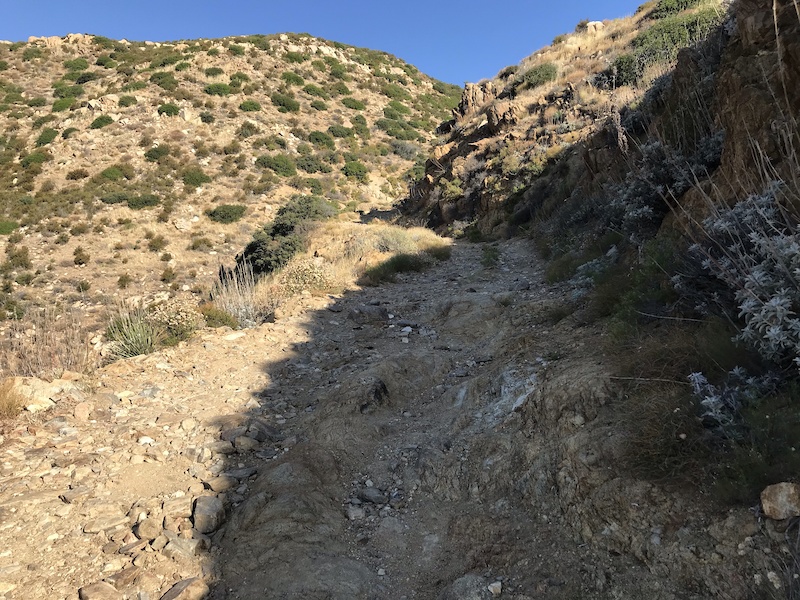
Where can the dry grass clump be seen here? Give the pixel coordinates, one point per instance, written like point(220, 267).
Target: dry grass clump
point(11, 402)
point(237, 293)
point(45, 343)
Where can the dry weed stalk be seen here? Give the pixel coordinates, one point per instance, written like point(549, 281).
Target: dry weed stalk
point(238, 293)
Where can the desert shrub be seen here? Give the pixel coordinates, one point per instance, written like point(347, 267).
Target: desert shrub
point(31, 53)
point(76, 64)
point(165, 60)
point(68, 132)
point(281, 164)
point(80, 256)
point(63, 104)
point(238, 78)
point(540, 74)
point(661, 42)
point(36, 158)
point(101, 122)
point(132, 333)
point(195, 177)
point(247, 129)
point(164, 80)
point(292, 78)
point(351, 102)
point(217, 89)
point(82, 286)
point(11, 401)
point(105, 60)
point(399, 263)
point(667, 8)
point(356, 170)
point(3, 65)
point(124, 281)
point(117, 172)
point(6, 227)
point(626, 69)
point(126, 101)
point(134, 86)
point(319, 105)
point(143, 201)
point(76, 174)
point(214, 71)
point(67, 91)
point(321, 139)
point(169, 110)
point(226, 213)
point(395, 92)
point(157, 243)
point(86, 77)
point(40, 121)
point(216, 317)
point(157, 152)
point(182, 66)
point(312, 164)
point(37, 102)
point(305, 274)
point(47, 136)
point(207, 117)
point(177, 317)
point(295, 57)
point(340, 131)
point(404, 149)
point(236, 50)
point(249, 106)
point(285, 103)
point(115, 198)
point(340, 89)
point(315, 90)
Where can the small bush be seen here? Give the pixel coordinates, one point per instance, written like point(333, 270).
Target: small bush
point(295, 57)
point(169, 110)
point(11, 402)
point(281, 164)
point(340, 131)
point(157, 152)
point(216, 317)
point(124, 281)
point(37, 102)
point(206, 117)
point(351, 102)
point(157, 243)
point(236, 50)
point(319, 105)
point(195, 177)
point(76, 174)
point(667, 8)
point(168, 275)
point(312, 164)
point(214, 72)
point(143, 201)
point(388, 270)
point(76, 64)
point(101, 122)
point(250, 106)
point(7, 227)
point(356, 170)
point(80, 256)
point(315, 90)
point(132, 333)
point(182, 66)
point(126, 101)
point(63, 104)
point(68, 132)
point(165, 81)
point(217, 89)
point(37, 158)
point(115, 198)
point(292, 78)
point(540, 74)
point(226, 213)
point(321, 140)
point(47, 136)
point(285, 103)
point(68, 91)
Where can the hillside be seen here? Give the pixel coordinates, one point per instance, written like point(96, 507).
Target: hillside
point(587, 388)
point(114, 154)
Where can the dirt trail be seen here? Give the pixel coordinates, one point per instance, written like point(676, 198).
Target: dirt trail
point(439, 437)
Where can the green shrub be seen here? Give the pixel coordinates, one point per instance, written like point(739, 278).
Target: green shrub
point(281, 164)
point(292, 78)
point(195, 177)
point(351, 102)
point(87, 77)
point(340, 131)
point(157, 152)
point(295, 57)
point(31, 53)
point(217, 89)
point(182, 66)
point(206, 117)
point(315, 90)
point(250, 106)
point(354, 169)
point(157, 243)
point(238, 78)
point(340, 89)
point(37, 102)
point(77, 174)
point(68, 132)
point(143, 201)
point(285, 103)
point(37, 123)
point(388, 270)
point(395, 92)
point(165, 61)
point(312, 164)
point(319, 105)
point(661, 42)
point(47, 136)
point(76, 64)
point(68, 91)
point(216, 317)
point(666, 8)
point(214, 71)
point(101, 122)
point(540, 74)
point(169, 110)
point(626, 70)
point(126, 101)
point(7, 227)
point(247, 129)
point(118, 171)
point(124, 281)
point(321, 140)
point(236, 50)
point(213, 52)
point(226, 213)
point(107, 62)
point(115, 198)
point(134, 86)
point(3, 65)
point(164, 80)
point(35, 158)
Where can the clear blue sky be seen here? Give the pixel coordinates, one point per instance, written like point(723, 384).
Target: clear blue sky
point(455, 41)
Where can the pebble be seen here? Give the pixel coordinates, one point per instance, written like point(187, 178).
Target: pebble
point(496, 588)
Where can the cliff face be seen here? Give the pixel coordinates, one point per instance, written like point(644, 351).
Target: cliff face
point(512, 157)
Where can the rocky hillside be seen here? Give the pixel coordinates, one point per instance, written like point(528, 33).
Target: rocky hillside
point(147, 164)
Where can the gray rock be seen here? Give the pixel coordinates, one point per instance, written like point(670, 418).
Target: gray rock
point(242, 473)
point(148, 529)
point(244, 443)
point(209, 514)
point(781, 501)
point(104, 522)
point(178, 547)
point(99, 591)
point(355, 513)
point(221, 447)
point(188, 589)
point(222, 483)
point(365, 315)
point(178, 507)
point(373, 495)
point(468, 587)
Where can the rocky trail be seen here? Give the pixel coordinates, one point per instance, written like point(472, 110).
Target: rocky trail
point(442, 437)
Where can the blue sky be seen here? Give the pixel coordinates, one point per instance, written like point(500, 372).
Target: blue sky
point(453, 41)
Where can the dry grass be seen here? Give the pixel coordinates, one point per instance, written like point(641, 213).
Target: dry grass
point(46, 343)
point(239, 294)
point(11, 402)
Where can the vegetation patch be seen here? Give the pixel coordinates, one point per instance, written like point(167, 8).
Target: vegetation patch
point(226, 213)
